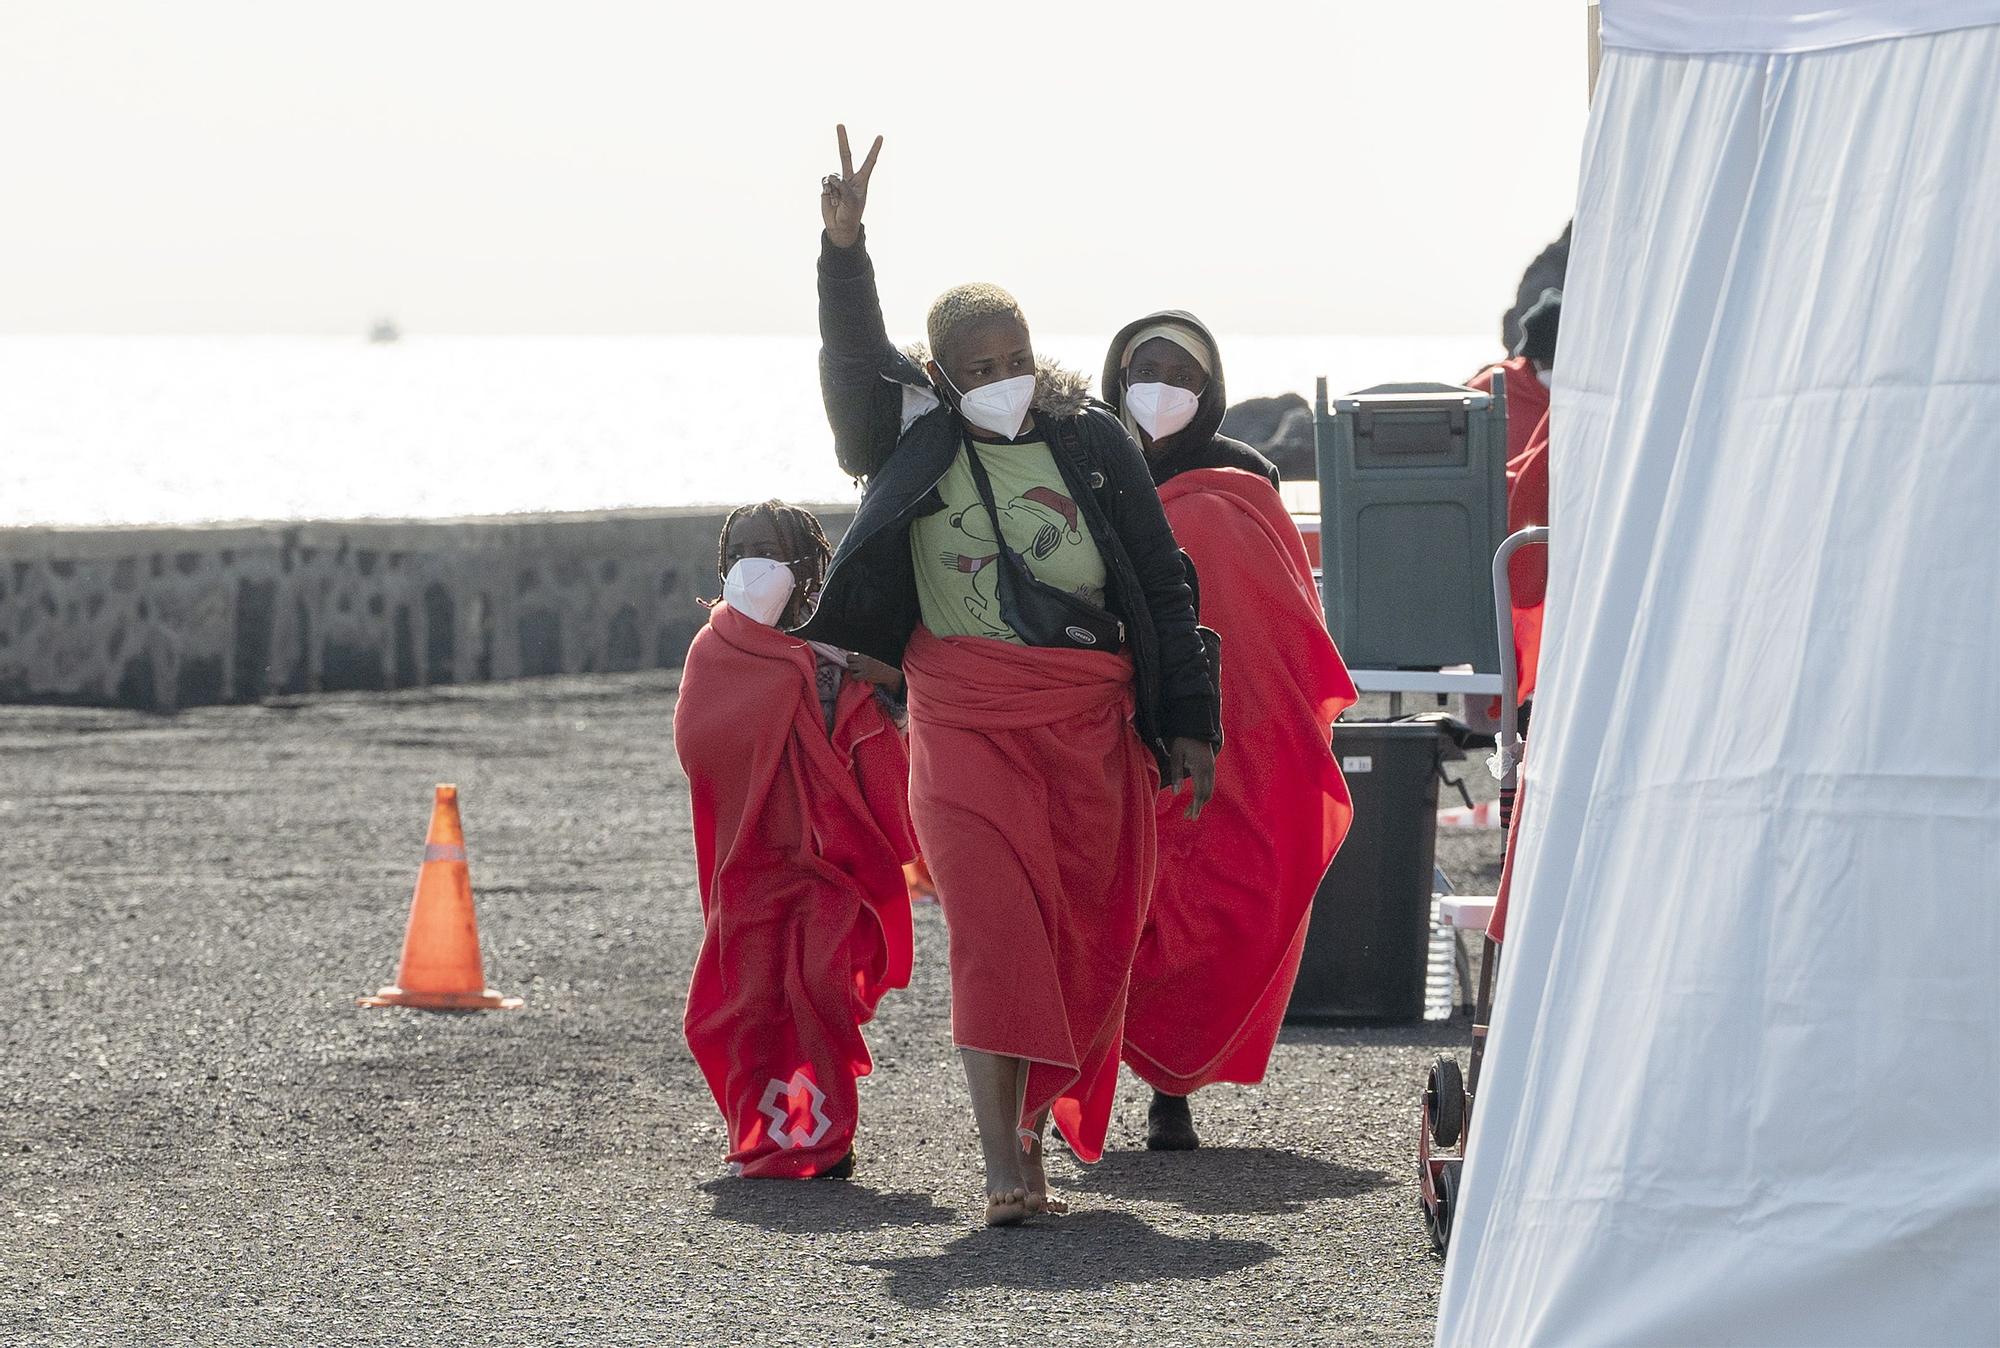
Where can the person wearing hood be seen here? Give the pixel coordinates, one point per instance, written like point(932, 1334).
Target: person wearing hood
point(1011, 556)
point(1221, 946)
point(798, 785)
point(1526, 373)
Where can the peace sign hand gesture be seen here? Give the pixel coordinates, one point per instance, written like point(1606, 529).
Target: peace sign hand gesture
point(842, 195)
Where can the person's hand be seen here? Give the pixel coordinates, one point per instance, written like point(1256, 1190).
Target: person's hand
point(870, 670)
point(842, 195)
point(1193, 761)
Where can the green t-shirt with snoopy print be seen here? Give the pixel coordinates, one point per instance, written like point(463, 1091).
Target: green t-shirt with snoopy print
point(954, 552)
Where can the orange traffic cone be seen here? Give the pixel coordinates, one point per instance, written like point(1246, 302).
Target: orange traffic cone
point(441, 969)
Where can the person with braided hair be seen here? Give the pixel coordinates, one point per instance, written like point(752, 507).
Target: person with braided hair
point(791, 535)
point(775, 530)
point(798, 783)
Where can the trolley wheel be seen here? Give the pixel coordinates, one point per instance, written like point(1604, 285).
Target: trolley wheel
point(1444, 1102)
point(1439, 1211)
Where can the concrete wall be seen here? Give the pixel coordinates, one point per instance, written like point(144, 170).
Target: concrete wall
point(159, 618)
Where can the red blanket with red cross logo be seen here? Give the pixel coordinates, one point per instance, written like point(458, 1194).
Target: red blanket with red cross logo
point(800, 838)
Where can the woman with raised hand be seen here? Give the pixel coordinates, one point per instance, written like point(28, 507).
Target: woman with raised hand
point(1011, 556)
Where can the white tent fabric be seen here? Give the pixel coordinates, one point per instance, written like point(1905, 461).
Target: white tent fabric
point(1779, 25)
point(1743, 1079)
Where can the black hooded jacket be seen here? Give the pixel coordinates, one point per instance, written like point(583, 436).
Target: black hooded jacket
point(1195, 445)
point(893, 430)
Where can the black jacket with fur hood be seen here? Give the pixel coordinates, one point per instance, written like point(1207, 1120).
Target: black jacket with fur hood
point(1195, 445)
point(891, 429)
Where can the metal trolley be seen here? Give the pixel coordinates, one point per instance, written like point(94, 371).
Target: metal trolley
point(1449, 1093)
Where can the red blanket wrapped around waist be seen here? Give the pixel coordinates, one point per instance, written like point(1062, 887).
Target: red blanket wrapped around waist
point(1033, 800)
point(1235, 889)
point(800, 838)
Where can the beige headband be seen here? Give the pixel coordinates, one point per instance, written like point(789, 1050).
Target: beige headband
point(1176, 334)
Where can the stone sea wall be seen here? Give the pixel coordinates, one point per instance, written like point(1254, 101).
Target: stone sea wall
point(161, 618)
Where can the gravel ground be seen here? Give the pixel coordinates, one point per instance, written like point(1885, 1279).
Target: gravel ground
point(203, 1140)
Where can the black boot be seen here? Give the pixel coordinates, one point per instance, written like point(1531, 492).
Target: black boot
point(841, 1169)
point(1170, 1124)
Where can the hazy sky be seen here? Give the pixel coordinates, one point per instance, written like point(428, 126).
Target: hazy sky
point(618, 166)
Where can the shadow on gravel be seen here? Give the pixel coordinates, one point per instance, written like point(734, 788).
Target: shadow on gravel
point(1224, 1181)
point(1081, 1253)
point(819, 1208)
point(1454, 1033)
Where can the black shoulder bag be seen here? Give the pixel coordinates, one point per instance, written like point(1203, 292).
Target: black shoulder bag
point(1066, 440)
point(1040, 613)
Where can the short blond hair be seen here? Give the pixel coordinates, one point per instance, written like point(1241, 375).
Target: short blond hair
point(970, 303)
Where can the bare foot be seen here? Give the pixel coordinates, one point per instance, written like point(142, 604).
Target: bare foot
point(995, 1083)
point(1039, 1198)
point(1008, 1208)
point(1006, 1191)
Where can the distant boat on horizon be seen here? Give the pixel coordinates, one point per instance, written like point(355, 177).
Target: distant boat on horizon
point(385, 330)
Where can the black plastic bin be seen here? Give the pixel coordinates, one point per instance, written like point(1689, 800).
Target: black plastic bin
point(1369, 939)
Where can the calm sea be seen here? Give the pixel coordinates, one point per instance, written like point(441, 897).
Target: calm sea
point(100, 430)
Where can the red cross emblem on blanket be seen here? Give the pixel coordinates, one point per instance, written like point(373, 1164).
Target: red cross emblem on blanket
point(796, 1111)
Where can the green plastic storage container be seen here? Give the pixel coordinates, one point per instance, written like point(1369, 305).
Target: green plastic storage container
point(1413, 504)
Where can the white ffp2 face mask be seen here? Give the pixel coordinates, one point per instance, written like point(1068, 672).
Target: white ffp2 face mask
point(759, 589)
point(999, 407)
point(1161, 409)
